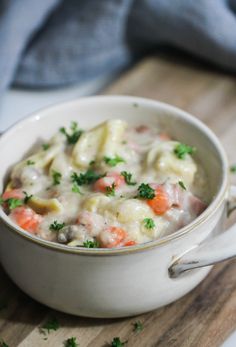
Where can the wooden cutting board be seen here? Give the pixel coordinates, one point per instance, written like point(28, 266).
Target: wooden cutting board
point(204, 317)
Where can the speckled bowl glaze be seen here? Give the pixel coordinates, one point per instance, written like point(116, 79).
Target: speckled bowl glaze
point(131, 280)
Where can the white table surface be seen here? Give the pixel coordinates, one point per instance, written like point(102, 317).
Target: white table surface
point(16, 104)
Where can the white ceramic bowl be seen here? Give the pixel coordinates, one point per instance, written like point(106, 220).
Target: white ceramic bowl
point(126, 281)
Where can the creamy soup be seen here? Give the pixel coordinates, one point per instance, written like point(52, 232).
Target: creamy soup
point(110, 186)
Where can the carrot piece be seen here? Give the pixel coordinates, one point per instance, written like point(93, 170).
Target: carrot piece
point(113, 177)
point(130, 243)
point(118, 236)
point(26, 218)
point(14, 193)
point(160, 203)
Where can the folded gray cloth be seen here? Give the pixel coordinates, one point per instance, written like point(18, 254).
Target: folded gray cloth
point(50, 43)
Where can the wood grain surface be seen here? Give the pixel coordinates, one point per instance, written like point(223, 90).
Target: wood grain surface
point(204, 317)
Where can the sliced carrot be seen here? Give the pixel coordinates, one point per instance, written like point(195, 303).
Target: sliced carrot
point(130, 243)
point(113, 177)
point(14, 193)
point(26, 218)
point(116, 238)
point(160, 203)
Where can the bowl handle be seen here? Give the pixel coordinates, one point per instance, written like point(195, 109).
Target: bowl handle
point(220, 248)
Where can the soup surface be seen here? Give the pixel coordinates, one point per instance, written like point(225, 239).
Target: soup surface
point(110, 186)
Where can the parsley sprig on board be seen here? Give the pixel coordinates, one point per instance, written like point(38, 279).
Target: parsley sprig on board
point(71, 342)
point(138, 327)
point(3, 343)
point(116, 342)
point(52, 324)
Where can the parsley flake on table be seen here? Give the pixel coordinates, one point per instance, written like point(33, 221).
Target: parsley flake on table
point(182, 185)
point(88, 177)
point(55, 226)
point(110, 190)
point(138, 327)
point(149, 223)
point(145, 191)
point(74, 134)
point(13, 203)
point(181, 150)
point(51, 324)
point(71, 342)
point(116, 342)
point(3, 343)
point(27, 197)
point(128, 178)
point(30, 162)
point(91, 244)
point(233, 169)
point(56, 177)
point(45, 146)
point(113, 161)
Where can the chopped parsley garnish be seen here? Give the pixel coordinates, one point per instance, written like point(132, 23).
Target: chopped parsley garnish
point(76, 189)
point(181, 150)
point(110, 190)
point(145, 191)
point(116, 342)
point(27, 197)
point(74, 134)
point(233, 169)
point(91, 244)
point(182, 185)
point(51, 324)
point(128, 178)
point(113, 161)
point(45, 146)
point(56, 177)
point(55, 226)
point(138, 327)
point(3, 344)
point(88, 177)
point(71, 342)
point(13, 203)
point(30, 162)
point(149, 223)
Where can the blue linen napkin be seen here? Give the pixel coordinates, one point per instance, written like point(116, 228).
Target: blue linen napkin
point(50, 43)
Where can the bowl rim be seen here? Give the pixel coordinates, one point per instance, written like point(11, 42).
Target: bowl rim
point(217, 201)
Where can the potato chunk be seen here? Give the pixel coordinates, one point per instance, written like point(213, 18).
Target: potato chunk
point(103, 140)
